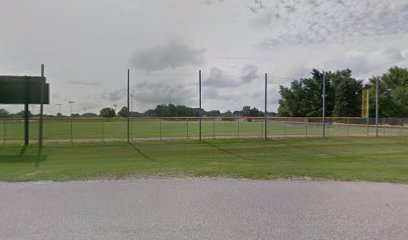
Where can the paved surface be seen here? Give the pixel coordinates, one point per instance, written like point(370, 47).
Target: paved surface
point(203, 209)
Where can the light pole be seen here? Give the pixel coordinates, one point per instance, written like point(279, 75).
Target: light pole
point(70, 116)
point(324, 105)
point(114, 105)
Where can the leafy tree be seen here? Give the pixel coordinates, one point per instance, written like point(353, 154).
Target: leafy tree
point(107, 112)
point(124, 112)
point(393, 93)
point(247, 111)
point(304, 97)
point(172, 110)
point(347, 94)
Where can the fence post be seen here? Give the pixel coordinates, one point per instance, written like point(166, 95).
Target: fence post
point(306, 121)
point(160, 129)
point(284, 127)
point(401, 123)
point(71, 130)
point(266, 106)
point(324, 105)
point(213, 128)
point(199, 110)
point(368, 127)
point(103, 131)
point(187, 127)
point(348, 127)
point(238, 126)
point(4, 131)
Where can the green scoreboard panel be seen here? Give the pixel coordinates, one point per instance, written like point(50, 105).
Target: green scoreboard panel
point(23, 90)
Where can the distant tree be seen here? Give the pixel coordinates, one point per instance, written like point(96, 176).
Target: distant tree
point(75, 115)
point(123, 112)
point(21, 114)
point(247, 111)
point(89, 115)
point(213, 113)
point(172, 110)
point(107, 112)
point(228, 113)
point(393, 93)
point(4, 113)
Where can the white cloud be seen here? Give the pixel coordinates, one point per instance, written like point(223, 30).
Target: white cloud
point(171, 55)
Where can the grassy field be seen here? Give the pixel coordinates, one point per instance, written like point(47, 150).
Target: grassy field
point(155, 128)
point(371, 159)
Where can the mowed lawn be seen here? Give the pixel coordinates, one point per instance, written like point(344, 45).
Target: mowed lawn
point(382, 159)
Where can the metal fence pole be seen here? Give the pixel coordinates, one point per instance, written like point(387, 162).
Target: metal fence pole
point(160, 129)
point(128, 105)
point(4, 131)
point(71, 130)
point(103, 131)
point(238, 127)
point(199, 110)
point(376, 105)
point(266, 106)
point(348, 127)
point(324, 105)
point(368, 127)
point(132, 121)
point(401, 124)
point(284, 127)
point(213, 128)
point(40, 127)
point(306, 121)
point(187, 127)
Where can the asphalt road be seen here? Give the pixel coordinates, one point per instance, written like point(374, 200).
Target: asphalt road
point(203, 209)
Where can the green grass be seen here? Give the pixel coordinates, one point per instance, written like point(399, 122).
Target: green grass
point(371, 159)
point(154, 128)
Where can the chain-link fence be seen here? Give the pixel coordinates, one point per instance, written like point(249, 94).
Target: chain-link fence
point(116, 129)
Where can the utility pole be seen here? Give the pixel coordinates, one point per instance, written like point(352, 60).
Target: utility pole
point(70, 116)
point(199, 97)
point(324, 105)
point(128, 106)
point(40, 134)
point(266, 108)
point(376, 105)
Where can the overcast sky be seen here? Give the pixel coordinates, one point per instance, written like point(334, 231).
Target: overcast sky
point(88, 45)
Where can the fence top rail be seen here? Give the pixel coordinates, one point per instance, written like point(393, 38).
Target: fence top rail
point(185, 118)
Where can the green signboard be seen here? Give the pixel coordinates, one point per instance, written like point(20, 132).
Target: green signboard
point(23, 90)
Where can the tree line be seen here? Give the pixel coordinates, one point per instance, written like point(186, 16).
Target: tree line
point(303, 98)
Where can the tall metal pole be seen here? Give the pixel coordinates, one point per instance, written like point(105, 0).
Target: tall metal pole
point(199, 110)
point(26, 114)
point(376, 105)
point(128, 106)
point(266, 108)
point(40, 134)
point(70, 117)
point(324, 105)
